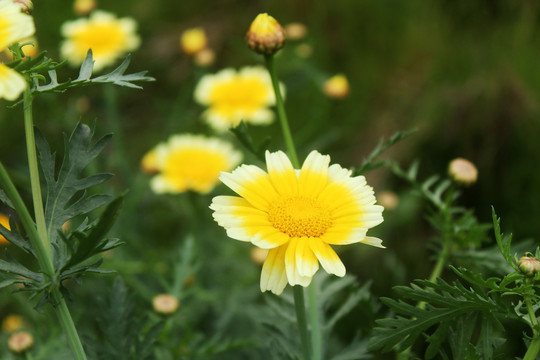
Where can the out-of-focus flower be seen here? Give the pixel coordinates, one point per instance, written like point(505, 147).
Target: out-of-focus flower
point(304, 50)
point(297, 215)
point(388, 199)
point(165, 304)
point(205, 57)
point(4, 221)
point(149, 162)
point(529, 265)
point(84, 7)
point(12, 323)
point(193, 40)
point(14, 26)
point(233, 96)
point(192, 162)
point(265, 35)
point(295, 31)
point(463, 171)
point(20, 341)
point(259, 255)
point(336, 87)
point(107, 36)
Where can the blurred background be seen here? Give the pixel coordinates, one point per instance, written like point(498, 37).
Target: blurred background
point(465, 74)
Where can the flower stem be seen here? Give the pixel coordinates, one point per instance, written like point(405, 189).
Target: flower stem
point(534, 346)
point(533, 350)
point(41, 242)
point(281, 111)
point(314, 312)
point(299, 306)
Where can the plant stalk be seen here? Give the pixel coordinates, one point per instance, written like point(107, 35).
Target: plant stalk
point(533, 350)
point(314, 321)
point(299, 306)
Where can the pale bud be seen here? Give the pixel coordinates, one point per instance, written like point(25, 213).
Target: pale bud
point(165, 304)
point(463, 171)
point(388, 200)
point(258, 255)
point(205, 57)
point(304, 50)
point(193, 40)
point(20, 342)
point(295, 31)
point(84, 7)
point(336, 87)
point(529, 265)
point(265, 35)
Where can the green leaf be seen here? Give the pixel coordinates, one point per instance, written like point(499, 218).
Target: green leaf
point(242, 134)
point(503, 243)
point(460, 335)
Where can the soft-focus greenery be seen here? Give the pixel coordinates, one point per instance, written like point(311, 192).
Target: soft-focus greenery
point(464, 74)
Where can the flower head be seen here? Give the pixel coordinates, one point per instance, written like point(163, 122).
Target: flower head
point(297, 215)
point(463, 171)
point(233, 96)
point(529, 265)
point(205, 57)
point(296, 31)
point(265, 35)
point(12, 323)
point(20, 341)
point(84, 7)
point(165, 304)
point(191, 162)
point(336, 87)
point(14, 26)
point(193, 40)
point(4, 221)
point(108, 37)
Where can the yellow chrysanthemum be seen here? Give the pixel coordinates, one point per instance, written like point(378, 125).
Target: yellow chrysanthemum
point(14, 26)
point(191, 162)
point(336, 87)
point(107, 36)
point(232, 96)
point(193, 40)
point(4, 221)
point(297, 215)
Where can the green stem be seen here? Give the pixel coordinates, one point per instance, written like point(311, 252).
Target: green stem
point(68, 325)
point(314, 312)
point(281, 111)
point(533, 350)
point(299, 306)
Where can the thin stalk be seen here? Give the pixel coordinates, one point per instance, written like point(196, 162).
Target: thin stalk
point(282, 115)
point(314, 321)
point(533, 350)
point(534, 346)
point(68, 325)
point(299, 306)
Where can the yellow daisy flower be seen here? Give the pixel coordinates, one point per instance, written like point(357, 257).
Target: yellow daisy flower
point(191, 162)
point(297, 215)
point(14, 26)
point(107, 36)
point(232, 96)
point(4, 221)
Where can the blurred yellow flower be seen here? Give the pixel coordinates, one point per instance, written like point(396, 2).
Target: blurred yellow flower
point(192, 162)
point(107, 36)
point(20, 342)
point(336, 87)
point(149, 162)
point(205, 57)
point(193, 40)
point(296, 31)
point(4, 221)
point(12, 323)
point(165, 304)
point(14, 26)
point(84, 7)
point(297, 215)
point(232, 96)
point(463, 171)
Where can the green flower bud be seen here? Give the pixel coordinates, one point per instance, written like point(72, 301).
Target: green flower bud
point(529, 265)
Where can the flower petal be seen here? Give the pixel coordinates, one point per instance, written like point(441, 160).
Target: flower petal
point(268, 237)
point(12, 84)
point(314, 174)
point(306, 262)
point(291, 266)
point(328, 258)
point(273, 274)
point(281, 173)
point(373, 241)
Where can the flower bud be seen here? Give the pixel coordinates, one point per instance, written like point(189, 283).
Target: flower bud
point(336, 87)
point(205, 57)
point(165, 304)
point(193, 41)
point(388, 199)
point(26, 5)
point(265, 35)
point(12, 323)
point(295, 31)
point(84, 7)
point(463, 171)
point(529, 265)
point(20, 342)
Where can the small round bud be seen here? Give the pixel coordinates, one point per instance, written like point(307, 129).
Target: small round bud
point(26, 5)
point(463, 171)
point(388, 199)
point(336, 87)
point(258, 255)
point(12, 323)
point(165, 304)
point(193, 41)
point(20, 342)
point(84, 7)
point(529, 265)
point(265, 35)
point(295, 31)
point(205, 57)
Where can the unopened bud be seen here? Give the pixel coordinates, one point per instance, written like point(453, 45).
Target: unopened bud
point(193, 41)
point(12, 323)
point(84, 7)
point(205, 57)
point(295, 31)
point(20, 342)
point(165, 304)
point(529, 265)
point(258, 255)
point(336, 87)
point(265, 35)
point(388, 199)
point(26, 5)
point(463, 171)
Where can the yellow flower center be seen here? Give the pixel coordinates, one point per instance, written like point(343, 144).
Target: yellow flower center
point(247, 94)
point(300, 216)
point(194, 167)
point(102, 38)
